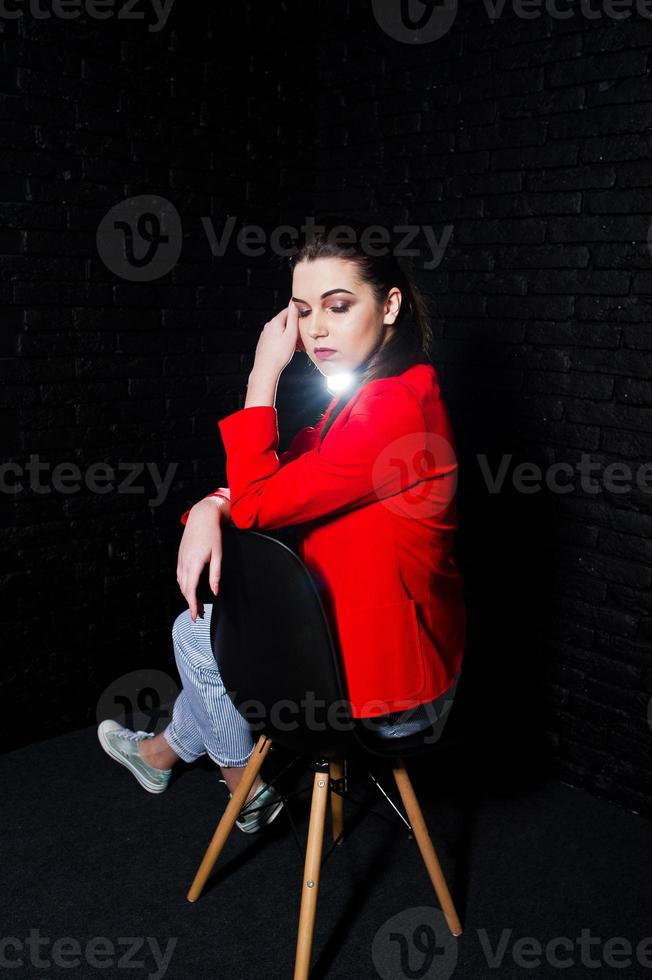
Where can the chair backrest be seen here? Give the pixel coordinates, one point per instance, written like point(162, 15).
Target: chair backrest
point(273, 644)
point(279, 660)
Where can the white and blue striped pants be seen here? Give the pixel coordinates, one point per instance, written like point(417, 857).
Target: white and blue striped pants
point(205, 720)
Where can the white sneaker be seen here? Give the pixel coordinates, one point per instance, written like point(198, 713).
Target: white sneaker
point(122, 745)
point(261, 809)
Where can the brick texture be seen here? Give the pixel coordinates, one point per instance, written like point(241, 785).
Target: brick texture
point(531, 138)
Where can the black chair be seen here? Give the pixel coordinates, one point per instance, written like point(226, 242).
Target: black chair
point(275, 651)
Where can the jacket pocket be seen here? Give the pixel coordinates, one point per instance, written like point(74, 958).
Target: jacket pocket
point(381, 650)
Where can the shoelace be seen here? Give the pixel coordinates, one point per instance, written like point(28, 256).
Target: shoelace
point(125, 733)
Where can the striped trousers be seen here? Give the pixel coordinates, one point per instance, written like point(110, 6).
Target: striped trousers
point(204, 719)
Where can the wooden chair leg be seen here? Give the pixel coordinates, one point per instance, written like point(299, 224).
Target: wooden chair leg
point(336, 771)
point(310, 884)
point(428, 853)
point(225, 826)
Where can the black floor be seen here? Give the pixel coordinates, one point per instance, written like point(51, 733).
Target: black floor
point(89, 854)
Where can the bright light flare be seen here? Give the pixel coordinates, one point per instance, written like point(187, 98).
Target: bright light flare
point(339, 382)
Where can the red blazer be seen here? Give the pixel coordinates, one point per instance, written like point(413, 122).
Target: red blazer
point(376, 509)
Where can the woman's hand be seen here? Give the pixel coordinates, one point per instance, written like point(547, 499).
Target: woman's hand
point(278, 342)
point(201, 544)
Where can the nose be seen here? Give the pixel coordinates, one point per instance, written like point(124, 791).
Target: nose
point(319, 338)
point(317, 333)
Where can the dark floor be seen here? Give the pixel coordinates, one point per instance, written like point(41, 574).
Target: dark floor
point(88, 854)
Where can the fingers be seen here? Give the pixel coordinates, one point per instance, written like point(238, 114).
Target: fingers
point(188, 580)
point(191, 599)
point(214, 570)
point(299, 345)
point(293, 312)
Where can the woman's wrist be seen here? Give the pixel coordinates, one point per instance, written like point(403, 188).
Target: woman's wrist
point(219, 505)
point(261, 388)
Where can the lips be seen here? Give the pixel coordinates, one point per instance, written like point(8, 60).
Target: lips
point(322, 352)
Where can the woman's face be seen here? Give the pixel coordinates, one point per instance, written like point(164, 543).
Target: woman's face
point(339, 312)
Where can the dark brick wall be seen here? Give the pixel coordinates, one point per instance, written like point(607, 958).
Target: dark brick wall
point(530, 138)
point(97, 368)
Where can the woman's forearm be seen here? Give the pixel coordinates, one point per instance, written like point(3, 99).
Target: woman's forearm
point(261, 389)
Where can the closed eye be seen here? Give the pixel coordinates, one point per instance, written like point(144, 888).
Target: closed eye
point(333, 309)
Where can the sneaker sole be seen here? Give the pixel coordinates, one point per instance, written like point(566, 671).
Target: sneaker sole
point(108, 748)
point(272, 816)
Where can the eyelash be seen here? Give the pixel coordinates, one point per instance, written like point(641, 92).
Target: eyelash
point(334, 309)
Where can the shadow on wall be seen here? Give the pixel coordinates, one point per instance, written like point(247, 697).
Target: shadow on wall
point(502, 553)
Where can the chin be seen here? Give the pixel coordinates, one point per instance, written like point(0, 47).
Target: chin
point(326, 368)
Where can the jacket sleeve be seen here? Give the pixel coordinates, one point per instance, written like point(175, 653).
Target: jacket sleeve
point(299, 444)
point(358, 462)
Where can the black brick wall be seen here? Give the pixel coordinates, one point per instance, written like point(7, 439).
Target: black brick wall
point(96, 368)
point(531, 138)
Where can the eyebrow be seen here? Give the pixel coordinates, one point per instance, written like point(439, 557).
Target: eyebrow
point(324, 295)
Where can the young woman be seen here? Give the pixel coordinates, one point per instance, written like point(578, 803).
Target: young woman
point(372, 488)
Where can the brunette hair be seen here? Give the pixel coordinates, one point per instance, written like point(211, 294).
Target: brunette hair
point(411, 340)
